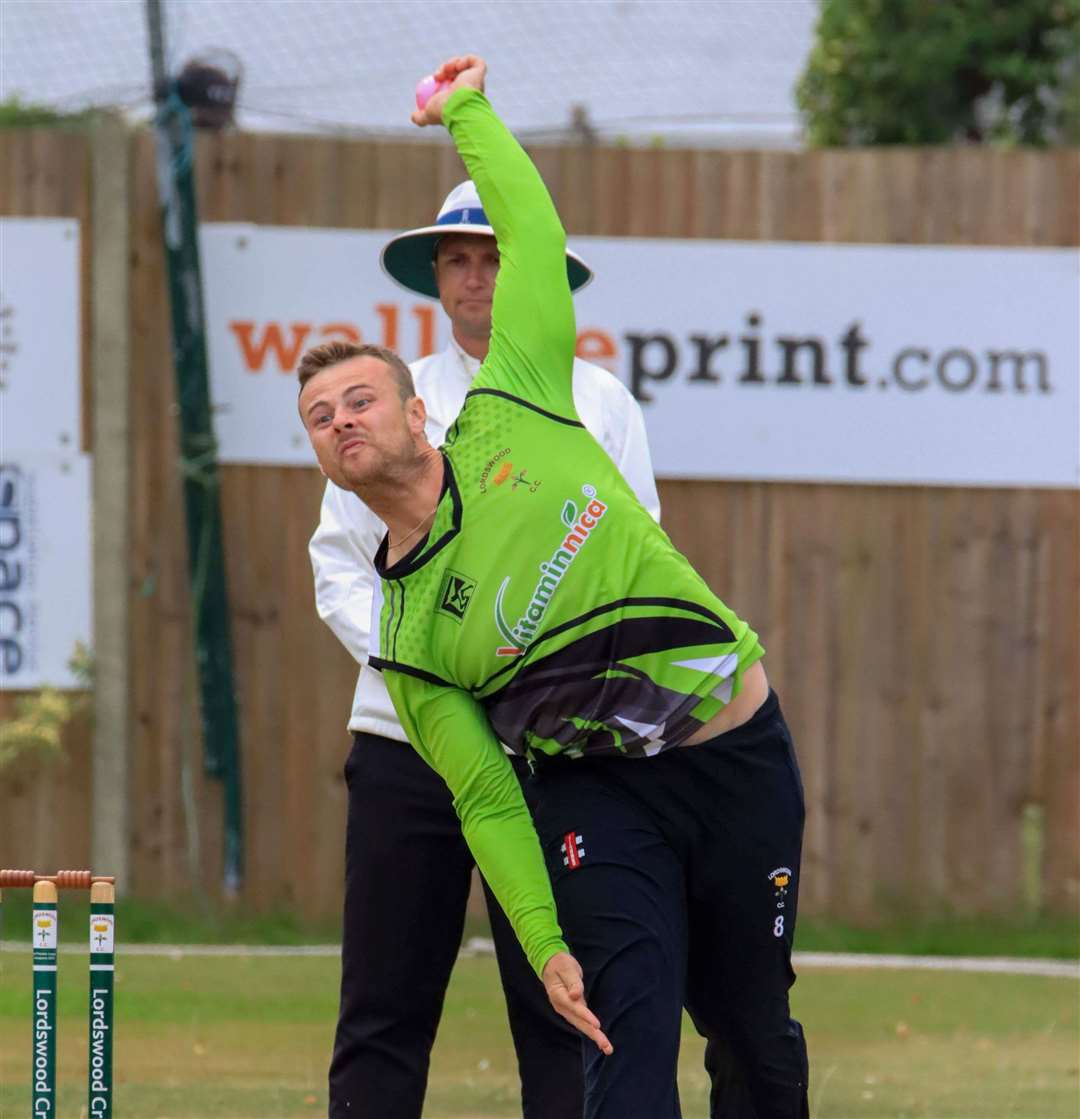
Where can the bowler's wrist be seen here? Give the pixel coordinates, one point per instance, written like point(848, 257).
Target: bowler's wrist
point(542, 958)
point(459, 97)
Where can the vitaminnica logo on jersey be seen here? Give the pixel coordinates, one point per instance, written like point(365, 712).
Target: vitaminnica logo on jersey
point(581, 525)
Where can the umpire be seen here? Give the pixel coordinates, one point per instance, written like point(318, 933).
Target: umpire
point(407, 867)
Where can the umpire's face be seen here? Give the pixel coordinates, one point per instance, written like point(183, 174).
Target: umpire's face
point(361, 429)
point(466, 265)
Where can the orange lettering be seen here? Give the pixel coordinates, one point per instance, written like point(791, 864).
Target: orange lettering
point(425, 316)
point(255, 350)
point(598, 347)
point(388, 312)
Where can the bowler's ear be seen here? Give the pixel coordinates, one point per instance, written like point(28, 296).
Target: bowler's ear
point(416, 414)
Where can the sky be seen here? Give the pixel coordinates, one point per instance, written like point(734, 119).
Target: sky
point(695, 71)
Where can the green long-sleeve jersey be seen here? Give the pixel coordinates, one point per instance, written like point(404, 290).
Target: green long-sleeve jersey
point(545, 608)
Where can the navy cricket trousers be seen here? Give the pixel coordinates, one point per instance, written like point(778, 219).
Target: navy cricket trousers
point(676, 879)
point(407, 877)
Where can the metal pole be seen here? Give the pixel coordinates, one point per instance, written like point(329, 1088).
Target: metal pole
point(198, 449)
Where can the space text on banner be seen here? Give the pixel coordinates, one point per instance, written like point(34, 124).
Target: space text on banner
point(45, 572)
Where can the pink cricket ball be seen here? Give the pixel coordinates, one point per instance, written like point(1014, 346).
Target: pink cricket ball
point(426, 88)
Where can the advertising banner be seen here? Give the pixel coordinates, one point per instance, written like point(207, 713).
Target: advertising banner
point(864, 364)
point(39, 335)
point(270, 294)
point(45, 584)
point(45, 574)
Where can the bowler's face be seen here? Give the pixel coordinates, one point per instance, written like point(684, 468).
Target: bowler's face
point(359, 427)
point(465, 270)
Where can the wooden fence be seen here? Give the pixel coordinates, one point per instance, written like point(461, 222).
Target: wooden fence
point(925, 641)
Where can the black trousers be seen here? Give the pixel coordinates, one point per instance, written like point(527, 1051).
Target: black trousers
point(407, 876)
point(676, 879)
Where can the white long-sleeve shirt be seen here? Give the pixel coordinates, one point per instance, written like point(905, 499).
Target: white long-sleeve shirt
point(349, 533)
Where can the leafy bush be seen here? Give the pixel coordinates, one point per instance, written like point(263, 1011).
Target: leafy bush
point(41, 716)
point(15, 113)
point(934, 72)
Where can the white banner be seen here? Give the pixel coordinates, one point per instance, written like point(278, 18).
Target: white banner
point(44, 569)
point(271, 293)
point(846, 363)
point(45, 580)
point(839, 363)
point(39, 335)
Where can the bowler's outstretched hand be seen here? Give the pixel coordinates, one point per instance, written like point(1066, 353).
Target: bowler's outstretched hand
point(467, 71)
point(566, 992)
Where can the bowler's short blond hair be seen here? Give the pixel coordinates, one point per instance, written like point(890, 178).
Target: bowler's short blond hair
point(328, 354)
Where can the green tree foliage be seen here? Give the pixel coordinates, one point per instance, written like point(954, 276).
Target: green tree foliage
point(939, 71)
point(15, 113)
point(41, 716)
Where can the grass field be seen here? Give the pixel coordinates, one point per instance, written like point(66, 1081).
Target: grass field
point(193, 921)
point(198, 1038)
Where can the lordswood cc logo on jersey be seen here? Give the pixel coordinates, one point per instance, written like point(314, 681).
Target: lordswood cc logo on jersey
point(499, 469)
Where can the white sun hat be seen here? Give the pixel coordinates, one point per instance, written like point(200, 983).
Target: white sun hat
point(407, 258)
